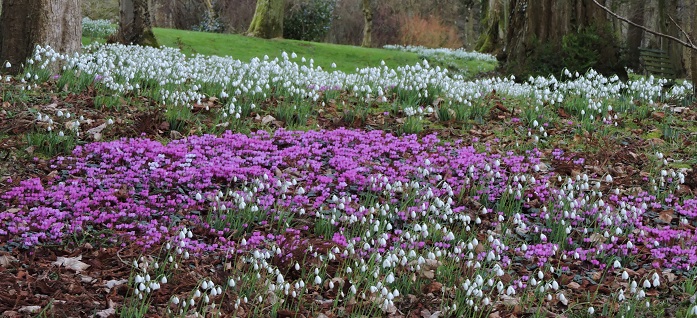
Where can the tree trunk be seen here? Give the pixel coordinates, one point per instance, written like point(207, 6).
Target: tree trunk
point(267, 22)
point(27, 23)
point(693, 56)
point(135, 26)
point(495, 15)
point(635, 35)
point(368, 26)
point(545, 36)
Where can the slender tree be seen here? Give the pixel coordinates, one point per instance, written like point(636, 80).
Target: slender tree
point(135, 25)
point(27, 23)
point(268, 19)
point(368, 25)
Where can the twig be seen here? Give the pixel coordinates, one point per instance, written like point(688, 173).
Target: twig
point(687, 36)
point(687, 44)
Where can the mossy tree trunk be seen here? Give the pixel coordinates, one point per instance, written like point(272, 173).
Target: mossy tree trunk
point(539, 31)
point(135, 25)
point(495, 14)
point(27, 23)
point(368, 26)
point(267, 22)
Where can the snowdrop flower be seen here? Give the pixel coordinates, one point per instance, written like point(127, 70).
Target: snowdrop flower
point(591, 310)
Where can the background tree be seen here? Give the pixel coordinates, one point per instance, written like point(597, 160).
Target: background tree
point(268, 19)
point(545, 36)
point(27, 23)
point(135, 26)
point(368, 26)
point(689, 41)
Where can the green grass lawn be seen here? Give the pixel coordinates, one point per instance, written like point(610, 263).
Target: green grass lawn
point(346, 57)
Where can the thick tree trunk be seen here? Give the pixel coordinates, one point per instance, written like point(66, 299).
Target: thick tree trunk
point(135, 26)
point(693, 57)
point(537, 31)
point(27, 23)
point(368, 25)
point(635, 35)
point(268, 19)
point(494, 24)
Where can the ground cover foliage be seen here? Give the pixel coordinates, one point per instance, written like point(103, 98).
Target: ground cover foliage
point(142, 182)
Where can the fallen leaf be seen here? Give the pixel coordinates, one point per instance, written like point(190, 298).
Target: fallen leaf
point(425, 313)
point(267, 119)
point(432, 287)
point(665, 216)
point(573, 285)
point(30, 309)
point(106, 312)
point(6, 260)
point(73, 263)
point(509, 300)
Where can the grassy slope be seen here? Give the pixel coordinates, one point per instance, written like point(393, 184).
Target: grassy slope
point(346, 57)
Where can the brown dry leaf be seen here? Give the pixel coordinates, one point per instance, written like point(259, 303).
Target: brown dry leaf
point(495, 314)
point(427, 314)
point(669, 275)
point(509, 300)
point(6, 260)
point(597, 238)
point(267, 119)
point(665, 216)
point(73, 263)
point(573, 285)
point(596, 276)
point(658, 115)
point(432, 287)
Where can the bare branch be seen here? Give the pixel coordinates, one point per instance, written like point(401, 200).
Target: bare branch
point(687, 36)
point(689, 44)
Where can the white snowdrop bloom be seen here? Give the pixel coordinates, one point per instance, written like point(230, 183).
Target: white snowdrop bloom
point(318, 280)
point(231, 282)
point(563, 299)
point(630, 245)
point(390, 278)
point(175, 300)
point(625, 275)
point(646, 284)
point(616, 264)
point(591, 310)
point(163, 280)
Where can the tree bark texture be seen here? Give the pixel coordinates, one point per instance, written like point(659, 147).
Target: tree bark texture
point(135, 25)
point(27, 23)
point(267, 22)
point(635, 35)
point(693, 57)
point(368, 23)
point(538, 31)
point(495, 16)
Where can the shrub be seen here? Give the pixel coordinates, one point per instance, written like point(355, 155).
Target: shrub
point(210, 24)
point(308, 20)
point(428, 32)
